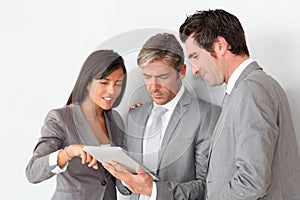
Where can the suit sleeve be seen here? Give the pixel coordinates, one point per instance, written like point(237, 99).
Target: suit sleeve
point(256, 136)
point(51, 140)
point(194, 189)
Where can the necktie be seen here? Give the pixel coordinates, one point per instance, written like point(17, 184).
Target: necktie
point(152, 143)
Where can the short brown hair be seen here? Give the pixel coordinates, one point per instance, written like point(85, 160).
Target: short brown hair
point(208, 25)
point(164, 47)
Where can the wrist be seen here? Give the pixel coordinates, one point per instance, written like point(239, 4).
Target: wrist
point(67, 154)
point(154, 192)
point(149, 190)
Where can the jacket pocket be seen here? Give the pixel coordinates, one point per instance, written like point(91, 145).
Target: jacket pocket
point(67, 194)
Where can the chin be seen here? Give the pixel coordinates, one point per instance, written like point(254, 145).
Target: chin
point(160, 102)
point(106, 107)
point(211, 84)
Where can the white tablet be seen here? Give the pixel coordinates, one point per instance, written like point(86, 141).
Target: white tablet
point(106, 153)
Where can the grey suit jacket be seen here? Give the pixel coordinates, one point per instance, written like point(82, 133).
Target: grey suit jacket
point(63, 127)
point(182, 163)
point(254, 153)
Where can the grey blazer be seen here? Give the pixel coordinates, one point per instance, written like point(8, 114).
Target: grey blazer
point(61, 128)
point(254, 153)
point(182, 164)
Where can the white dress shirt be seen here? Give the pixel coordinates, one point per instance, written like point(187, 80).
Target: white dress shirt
point(53, 157)
point(236, 74)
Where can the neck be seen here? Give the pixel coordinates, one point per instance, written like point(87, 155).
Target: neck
point(232, 63)
point(95, 117)
point(90, 108)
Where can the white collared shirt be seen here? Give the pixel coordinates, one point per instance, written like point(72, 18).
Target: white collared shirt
point(170, 106)
point(236, 74)
point(53, 158)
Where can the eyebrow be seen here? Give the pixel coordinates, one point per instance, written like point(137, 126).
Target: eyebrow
point(163, 74)
point(191, 55)
point(109, 79)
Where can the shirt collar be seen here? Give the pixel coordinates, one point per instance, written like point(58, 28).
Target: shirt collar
point(171, 104)
point(236, 74)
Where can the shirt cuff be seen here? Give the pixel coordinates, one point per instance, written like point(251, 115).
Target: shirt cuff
point(154, 192)
point(53, 157)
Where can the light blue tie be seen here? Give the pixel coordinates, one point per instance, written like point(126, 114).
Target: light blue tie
point(152, 143)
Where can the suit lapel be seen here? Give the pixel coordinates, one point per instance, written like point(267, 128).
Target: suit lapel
point(179, 111)
point(85, 132)
point(218, 130)
point(110, 120)
point(141, 125)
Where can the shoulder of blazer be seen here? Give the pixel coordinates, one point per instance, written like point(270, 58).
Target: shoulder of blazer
point(143, 109)
point(61, 113)
point(203, 105)
point(252, 67)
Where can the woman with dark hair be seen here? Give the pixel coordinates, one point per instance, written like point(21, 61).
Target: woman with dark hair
point(87, 119)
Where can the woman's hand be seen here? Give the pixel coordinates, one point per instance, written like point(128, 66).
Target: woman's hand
point(77, 150)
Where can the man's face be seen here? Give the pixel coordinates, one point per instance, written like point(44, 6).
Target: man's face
point(204, 63)
point(162, 81)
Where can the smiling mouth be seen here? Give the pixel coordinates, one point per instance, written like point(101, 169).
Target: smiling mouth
point(107, 98)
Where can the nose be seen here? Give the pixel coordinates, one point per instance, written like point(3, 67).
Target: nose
point(194, 70)
point(111, 89)
point(153, 85)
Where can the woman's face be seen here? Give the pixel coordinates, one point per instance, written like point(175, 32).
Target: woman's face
point(105, 91)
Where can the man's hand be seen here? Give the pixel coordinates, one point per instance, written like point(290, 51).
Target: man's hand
point(139, 183)
point(135, 106)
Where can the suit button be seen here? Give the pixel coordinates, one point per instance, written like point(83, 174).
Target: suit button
point(103, 183)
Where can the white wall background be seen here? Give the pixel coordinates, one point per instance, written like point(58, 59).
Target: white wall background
point(44, 43)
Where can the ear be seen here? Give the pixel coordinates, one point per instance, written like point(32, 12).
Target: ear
point(182, 71)
point(220, 46)
point(88, 86)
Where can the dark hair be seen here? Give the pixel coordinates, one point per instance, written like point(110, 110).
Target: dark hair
point(208, 25)
point(162, 46)
point(98, 65)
